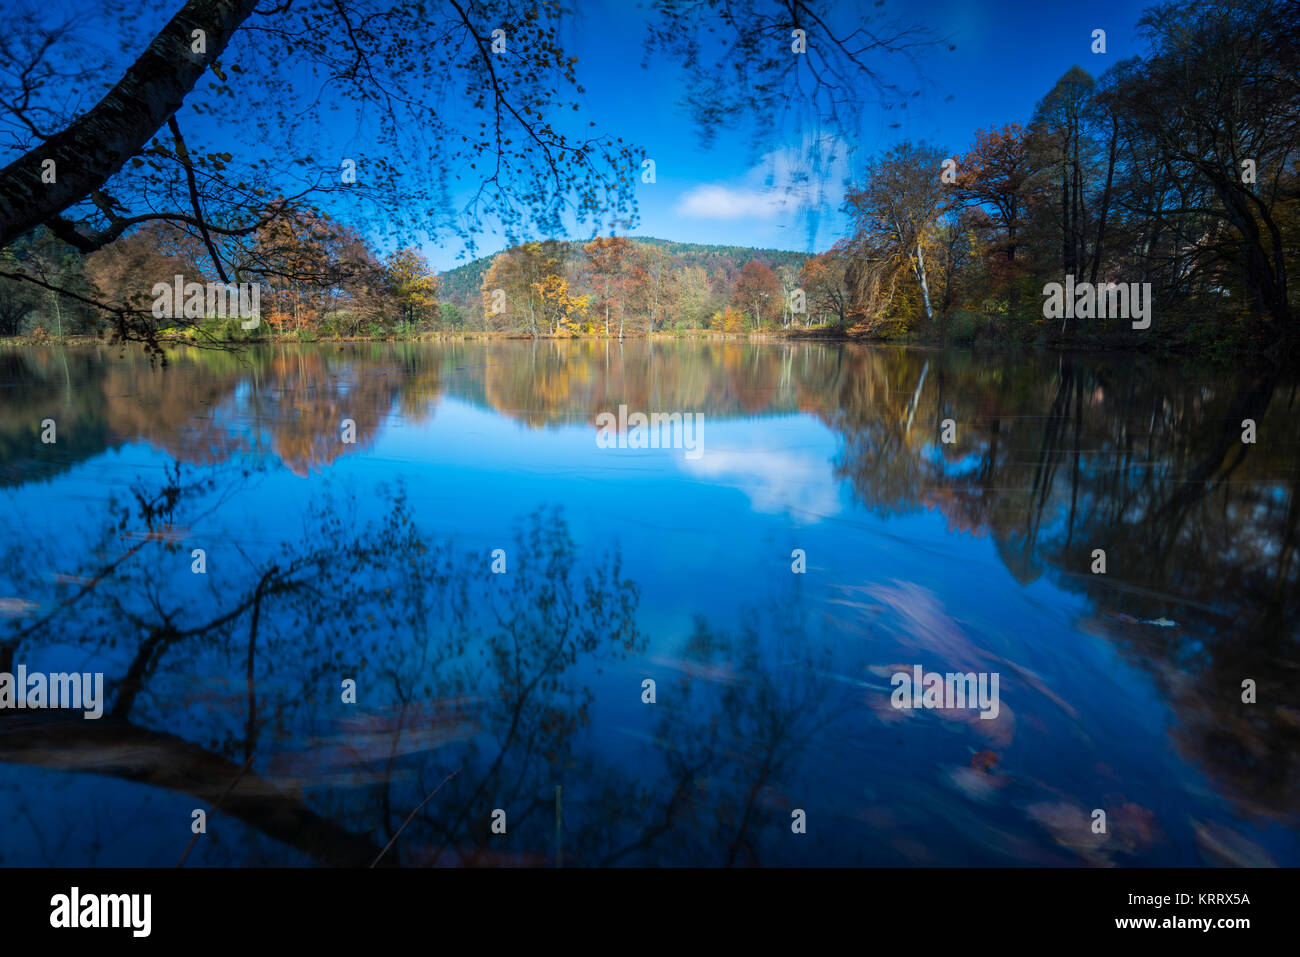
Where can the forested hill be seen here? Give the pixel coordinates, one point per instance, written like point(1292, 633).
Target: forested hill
point(462, 284)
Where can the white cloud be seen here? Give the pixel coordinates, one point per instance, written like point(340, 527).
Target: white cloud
point(722, 202)
point(776, 482)
point(784, 183)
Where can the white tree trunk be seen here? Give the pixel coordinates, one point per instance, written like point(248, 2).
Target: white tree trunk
point(920, 277)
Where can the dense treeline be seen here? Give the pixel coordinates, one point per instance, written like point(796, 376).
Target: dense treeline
point(1176, 174)
point(319, 278)
point(316, 278)
point(630, 286)
point(617, 286)
point(1179, 170)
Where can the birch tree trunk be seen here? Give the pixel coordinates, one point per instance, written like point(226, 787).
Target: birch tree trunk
point(920, 277)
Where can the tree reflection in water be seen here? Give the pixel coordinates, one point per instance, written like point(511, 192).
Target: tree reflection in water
point(499, 676)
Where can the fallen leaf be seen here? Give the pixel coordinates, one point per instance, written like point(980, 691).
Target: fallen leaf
point(983, 760)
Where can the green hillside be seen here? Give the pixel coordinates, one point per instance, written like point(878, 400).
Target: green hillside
point(722, 263)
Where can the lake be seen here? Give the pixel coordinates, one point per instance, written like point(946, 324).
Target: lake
point(346, 593)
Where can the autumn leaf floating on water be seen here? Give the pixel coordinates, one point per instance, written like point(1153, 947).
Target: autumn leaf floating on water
point(1070, 826)
point(979, 781)
point(984, 760)
point(1131, 829)
point(1134, 827)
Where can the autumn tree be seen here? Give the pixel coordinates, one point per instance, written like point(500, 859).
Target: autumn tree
point(757, 291)
point(728, 319)
point(696, 298)
point(506, 292)
point(412, 284)
point(661, 285)
point(898, 206)
point(995, 174)
point(558, 308)
point(124, 272)
point(513, 279)
point(822, 279)
point(635, 289)
point(787, 277)
point(606, 257)
point(311, 268)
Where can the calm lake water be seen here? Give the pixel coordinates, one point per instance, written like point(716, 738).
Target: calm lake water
point(823, 539)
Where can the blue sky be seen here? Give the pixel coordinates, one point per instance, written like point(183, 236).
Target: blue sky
point(1008, 54)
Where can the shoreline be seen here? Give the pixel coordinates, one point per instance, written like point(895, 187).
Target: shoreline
point(1182, 349)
